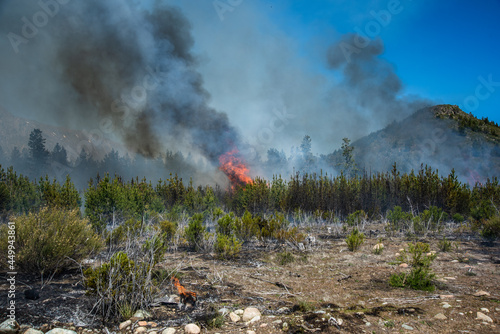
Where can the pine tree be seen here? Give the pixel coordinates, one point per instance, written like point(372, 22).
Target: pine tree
point(38, 154)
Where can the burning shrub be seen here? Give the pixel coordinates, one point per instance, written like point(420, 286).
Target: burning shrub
point(50, 240)
point(355, 240)
point(420, 277)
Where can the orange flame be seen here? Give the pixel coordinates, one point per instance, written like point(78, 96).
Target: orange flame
point(187, 297)
point(235, 168)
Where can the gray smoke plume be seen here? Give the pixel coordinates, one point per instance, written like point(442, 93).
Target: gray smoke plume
point(120, 67)
point(370, 81)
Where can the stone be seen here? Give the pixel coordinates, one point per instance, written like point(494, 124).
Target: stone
point(234, 317)
point(481, 293)
point(483, 317)
point(250, 313)
point(446, 305)
point(446, 296)
point(60, 331)
point(403, 265)
point(484, 309)
point(440, 316)
point(141, 314)
point(250, 332)
point(239, 312)
point(9, 326)
point(283, 310)
point(405, 326)
point(254, 319)
point(279, 321)
point(192, 329)
point(33, 331)
point(140, 330)
point(152, 324)
point(263, 325)
point(454, 261)
point(169, 330)
point(125, 324)
point(142, 323)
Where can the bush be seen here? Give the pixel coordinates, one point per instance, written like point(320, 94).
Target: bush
point(420, 277)
point(129, 229)
point(491, 228)
point(355, 240)
point(246, 227)
point(458, 218)
point(397, 218)
point(195, 231)
point(227, 247)
point(120, 286)
point(285, 258)
point(225, 225)
point(444, 245)
point(50, 240)
point(168, 229)
point(356, 218)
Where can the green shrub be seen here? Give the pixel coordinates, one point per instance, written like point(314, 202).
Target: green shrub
point(458, 218)
point(355, 240)
point(246, 227)
point(397, 218)
point(227, 247)
point(491, 228)
point(168, 229)
point(225, 225)
point(195, 231)
point(120, 286)
point(155, 247)
point(420, 276)
point(378, 249)
point(445, 245)
point(356, 218)
point(285, 258)
point(129, 229)
point(49, 241)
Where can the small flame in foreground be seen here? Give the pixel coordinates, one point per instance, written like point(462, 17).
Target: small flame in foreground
point(235, 168)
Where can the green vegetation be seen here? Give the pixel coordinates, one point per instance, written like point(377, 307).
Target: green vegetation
point(50, 241)
point(419, 257)
point(355, 240)
point(284, 258)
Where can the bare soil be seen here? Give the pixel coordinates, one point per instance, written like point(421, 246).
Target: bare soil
point(324, 286)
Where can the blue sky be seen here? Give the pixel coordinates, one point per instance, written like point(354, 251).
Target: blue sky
point(438, 48)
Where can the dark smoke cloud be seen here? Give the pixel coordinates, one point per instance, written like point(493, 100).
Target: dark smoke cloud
point(117, 67)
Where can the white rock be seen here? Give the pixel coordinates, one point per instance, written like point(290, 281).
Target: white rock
point(483, 317)
point(403, 265)
point(254, 319)
point(140, 330)
point(141, 314)
point(234, 317)
point(169, 330)
point(405, 326)
point(378, 246)
point(9, 326)
point(192, 329)
point(440, 316)
point(481, 293)
point(238, 312)
point(250, 332)
point(283, 310)
point(60, 331)
point(33, 331)
point(250, 313)
point(125, 324)
point(484, 309)
point(446, 305)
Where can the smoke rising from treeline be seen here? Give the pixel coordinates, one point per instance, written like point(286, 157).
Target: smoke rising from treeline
point(112, 67)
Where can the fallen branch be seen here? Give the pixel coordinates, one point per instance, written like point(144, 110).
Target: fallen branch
point(278, 284)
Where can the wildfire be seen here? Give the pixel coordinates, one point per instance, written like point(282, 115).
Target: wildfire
point(187, 297)
point(235, 168)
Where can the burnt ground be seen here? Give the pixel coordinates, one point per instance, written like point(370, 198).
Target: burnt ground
point(325, 285)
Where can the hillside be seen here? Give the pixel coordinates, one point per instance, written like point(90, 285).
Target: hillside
point(441, 136)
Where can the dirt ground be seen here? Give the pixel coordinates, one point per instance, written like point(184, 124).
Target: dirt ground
point(326, 289)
